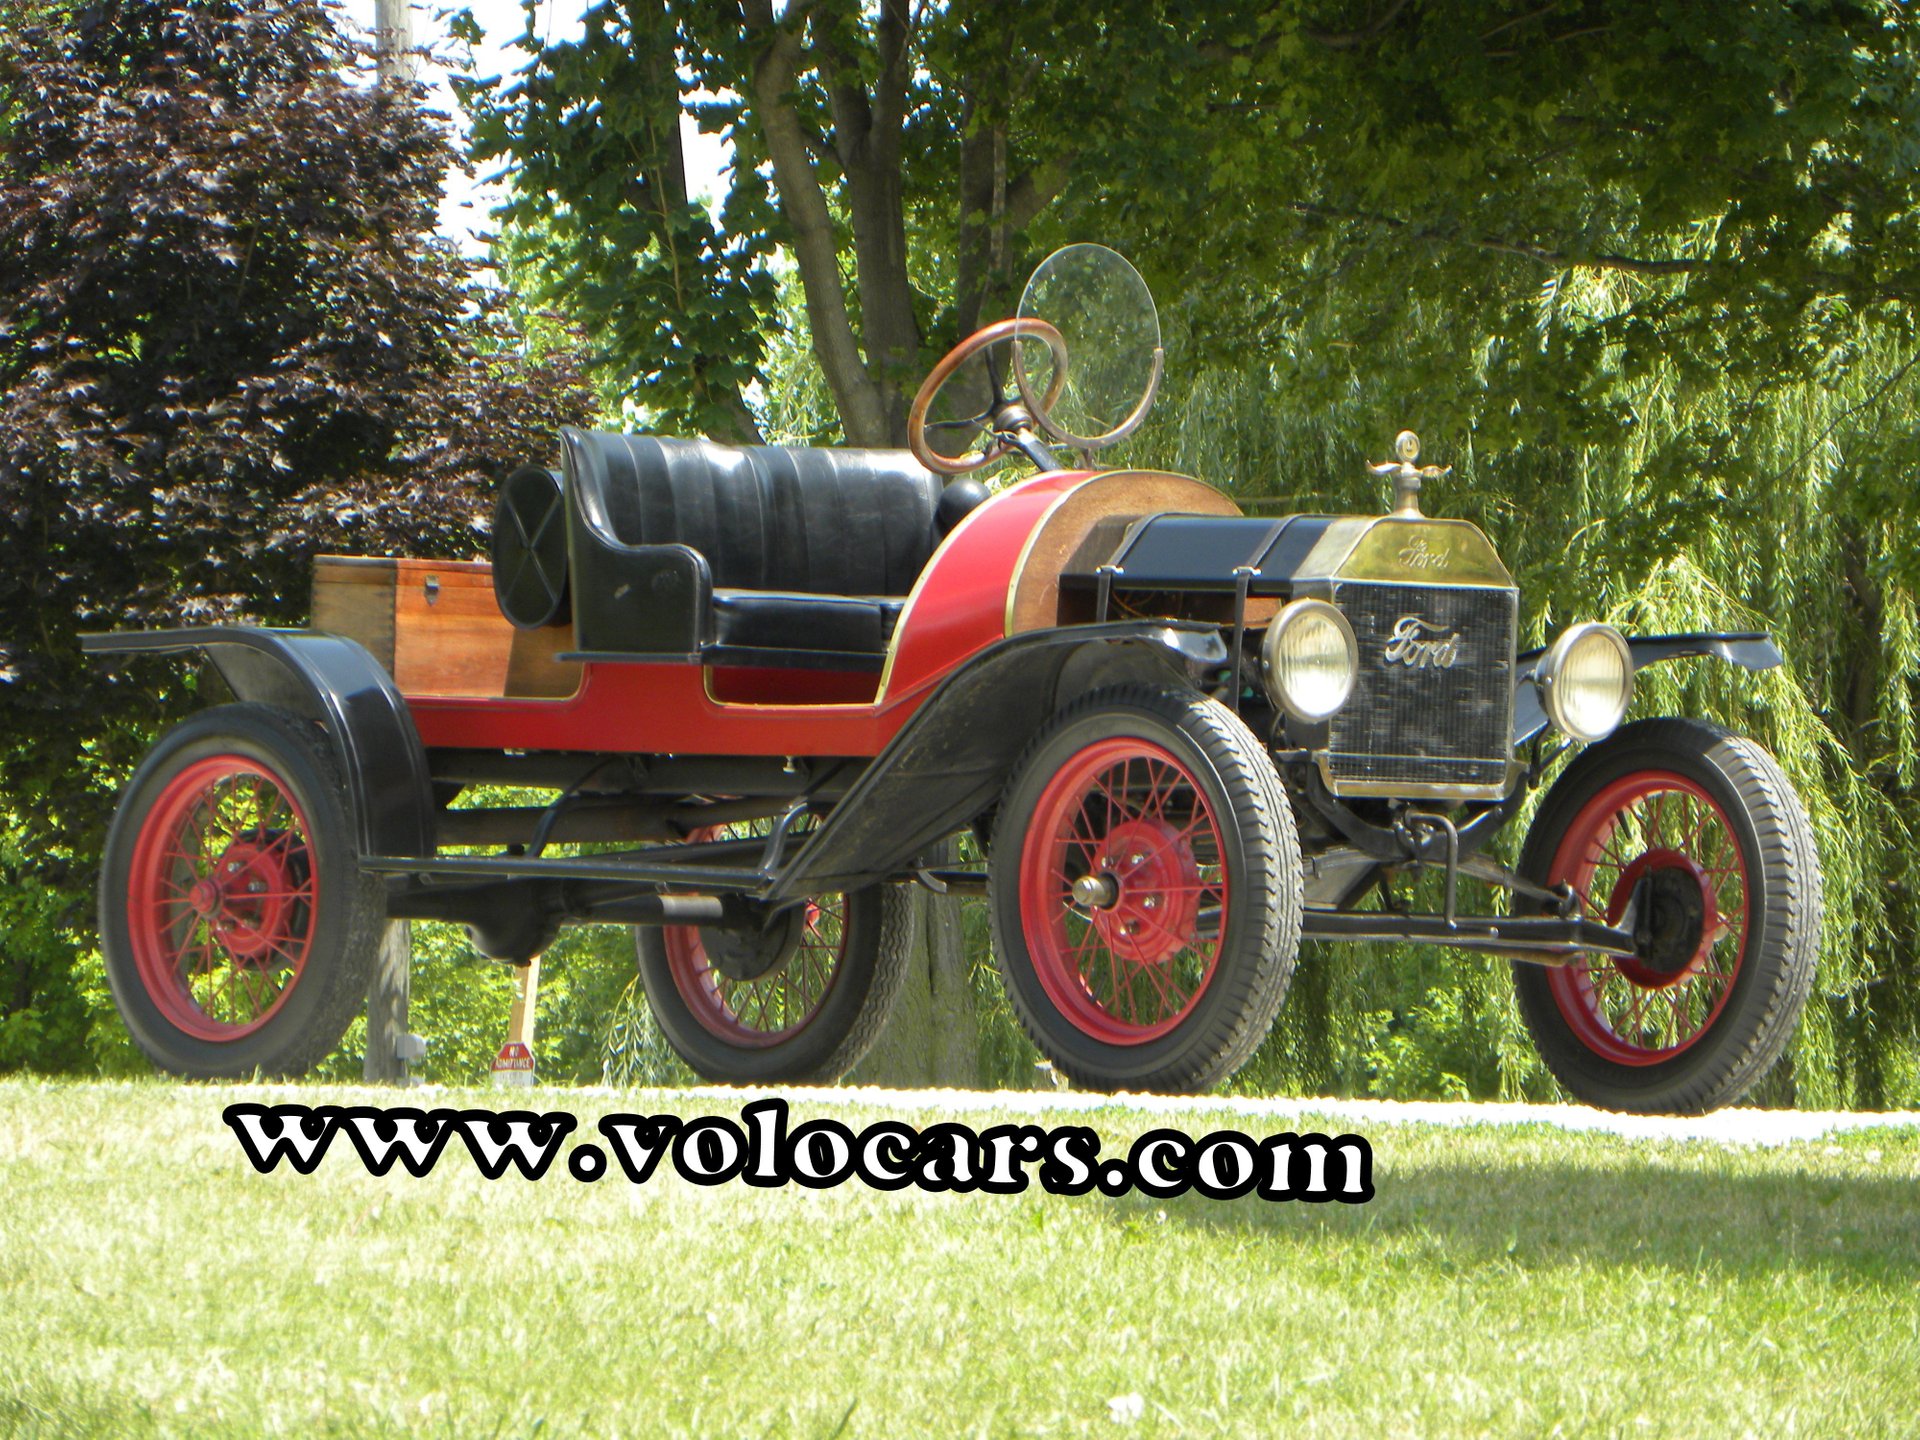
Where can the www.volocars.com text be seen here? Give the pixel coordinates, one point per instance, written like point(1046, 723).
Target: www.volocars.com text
point(763, 1147)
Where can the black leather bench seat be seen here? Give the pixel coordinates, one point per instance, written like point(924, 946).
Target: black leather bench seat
point(773, 620)
point(759, 555)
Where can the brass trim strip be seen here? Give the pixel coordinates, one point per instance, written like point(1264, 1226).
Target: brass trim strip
point(1416, 790)
point(1033, 538)
point(1099, 476)
point(825, 706)
point(1439, 582)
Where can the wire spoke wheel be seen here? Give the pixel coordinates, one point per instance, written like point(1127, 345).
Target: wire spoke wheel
point(801, 1000)
point(760, 1010)
point(1145, 890)
point(1662, 837)
point(223, 897)
point(1692, 840)
point(1123, 890)
point(238, 929)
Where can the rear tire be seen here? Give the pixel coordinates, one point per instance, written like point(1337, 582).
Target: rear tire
point(810, 1018)
point(1713, 834)
point(1146, 891)
point(238, 929)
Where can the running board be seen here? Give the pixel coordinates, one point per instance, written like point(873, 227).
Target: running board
point(1543, 939)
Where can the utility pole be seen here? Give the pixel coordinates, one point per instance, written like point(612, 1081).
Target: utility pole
point(393, 42)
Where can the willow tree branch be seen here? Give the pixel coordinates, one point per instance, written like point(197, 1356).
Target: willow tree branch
point(1539, 254)
point(1880, 393)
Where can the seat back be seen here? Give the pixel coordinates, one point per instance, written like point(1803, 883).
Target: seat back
point(766, 517)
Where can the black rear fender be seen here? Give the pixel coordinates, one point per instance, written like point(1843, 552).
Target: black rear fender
point(949, 762)
point(334, 682)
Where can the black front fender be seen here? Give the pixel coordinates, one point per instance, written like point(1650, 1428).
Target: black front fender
point(330, 680)
point(950, 762)
point(1751, 650)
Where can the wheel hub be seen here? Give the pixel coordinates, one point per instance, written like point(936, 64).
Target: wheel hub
point(743, 955)
point(250, 894)
point(1675, 917)
point(1148, 870)
point(1095, 892)
point(204, 897)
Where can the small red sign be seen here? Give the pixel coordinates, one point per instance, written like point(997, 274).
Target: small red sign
point(513, 1065)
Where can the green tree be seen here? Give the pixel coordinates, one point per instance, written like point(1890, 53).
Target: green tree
point(228, 339)
point(600, 222)
point(1301, 174)
point(886, 149)
point(1644, 270)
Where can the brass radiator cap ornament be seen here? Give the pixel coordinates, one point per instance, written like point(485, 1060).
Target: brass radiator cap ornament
point(1406, 475)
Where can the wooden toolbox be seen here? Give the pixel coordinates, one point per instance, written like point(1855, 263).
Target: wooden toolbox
point(437, 628)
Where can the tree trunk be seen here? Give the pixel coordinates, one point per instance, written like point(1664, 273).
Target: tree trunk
point(393, 42)
point(387, 1002)
point(774, 78)
point(867, 137)
point(934, 1036)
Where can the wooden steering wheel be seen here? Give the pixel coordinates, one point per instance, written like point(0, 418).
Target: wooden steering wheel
point(997, 333)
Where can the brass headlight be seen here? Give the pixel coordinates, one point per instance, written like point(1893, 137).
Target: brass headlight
point(1585, 681)
point(1311, 660)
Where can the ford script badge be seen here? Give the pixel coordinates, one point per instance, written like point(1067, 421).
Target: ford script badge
point(1416, 554)
point(1418, 643)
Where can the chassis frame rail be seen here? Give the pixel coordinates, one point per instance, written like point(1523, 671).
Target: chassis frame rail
point(1544, 939)
point(639, 872)
point(619, 889)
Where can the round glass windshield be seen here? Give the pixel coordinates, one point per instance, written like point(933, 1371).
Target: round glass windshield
point(1105, 313)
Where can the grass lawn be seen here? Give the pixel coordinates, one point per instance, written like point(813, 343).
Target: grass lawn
point(1507, 1280)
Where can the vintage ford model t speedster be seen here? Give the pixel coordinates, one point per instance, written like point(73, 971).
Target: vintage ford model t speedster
point(782, 678)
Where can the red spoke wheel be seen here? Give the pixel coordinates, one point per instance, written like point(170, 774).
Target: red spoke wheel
point(1692, 838)
point(1146, 891)
point(802, 1000)
point(221, 897)
point(238, 931)
point(1122, 887)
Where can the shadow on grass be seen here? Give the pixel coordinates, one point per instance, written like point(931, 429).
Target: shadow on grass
point(1539, 1215)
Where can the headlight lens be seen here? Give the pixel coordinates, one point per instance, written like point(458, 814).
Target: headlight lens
point(1310, 659)
point(1586, 680)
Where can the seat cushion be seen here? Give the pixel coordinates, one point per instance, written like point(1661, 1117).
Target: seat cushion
point(766, 517)
point(775, 620)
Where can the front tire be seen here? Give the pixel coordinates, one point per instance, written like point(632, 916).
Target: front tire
point(238, 929)
point(1705, 828)
point(1145, 883)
